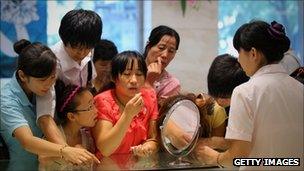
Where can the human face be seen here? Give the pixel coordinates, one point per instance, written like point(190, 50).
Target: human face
point(85, 113)
point(39, 86)
point(165, 49)
point(103, 68)
point(130, 81)
point(77, 53)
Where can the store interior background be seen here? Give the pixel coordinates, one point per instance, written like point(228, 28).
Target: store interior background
point(206, 28)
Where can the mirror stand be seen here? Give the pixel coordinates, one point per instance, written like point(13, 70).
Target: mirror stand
point(180, 162)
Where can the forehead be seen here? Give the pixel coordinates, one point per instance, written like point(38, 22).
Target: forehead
point(169, 40)
point(53, 73)
point(132, 64)
point(85, 96)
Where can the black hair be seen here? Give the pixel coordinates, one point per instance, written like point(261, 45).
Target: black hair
point(105, 50)
point(225, 73)
point(298, 74)
point(35, 59)
point(66, 99)
point(271, 40)
point(80, 28)
point(120, 61)
point(157, 33)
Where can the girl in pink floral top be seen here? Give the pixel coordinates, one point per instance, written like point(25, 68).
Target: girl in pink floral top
point(127, 114)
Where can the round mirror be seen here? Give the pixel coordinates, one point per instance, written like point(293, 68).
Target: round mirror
point(180, 127)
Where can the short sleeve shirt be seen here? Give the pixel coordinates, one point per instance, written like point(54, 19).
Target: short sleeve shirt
point(137, 132)
point(17, 111)
point(218, 117)
point(268, 112)
point(166, 85)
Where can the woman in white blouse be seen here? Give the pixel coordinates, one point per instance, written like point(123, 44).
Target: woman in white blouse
point(266, 113)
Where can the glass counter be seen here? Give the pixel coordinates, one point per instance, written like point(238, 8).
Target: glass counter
point(159, 161)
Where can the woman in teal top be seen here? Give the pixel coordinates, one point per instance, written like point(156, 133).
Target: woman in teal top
point(35, 74)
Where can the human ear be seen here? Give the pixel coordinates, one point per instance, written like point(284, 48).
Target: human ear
point(22, 76)
point(258, 56)
point(254, 54)
point(71, 116)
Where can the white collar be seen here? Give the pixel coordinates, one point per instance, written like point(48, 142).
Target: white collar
point(67, 63)
point(268, 69)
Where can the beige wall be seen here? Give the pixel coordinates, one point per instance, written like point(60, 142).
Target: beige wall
point(199, 40)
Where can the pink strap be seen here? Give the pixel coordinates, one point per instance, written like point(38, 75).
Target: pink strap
point(67, 101)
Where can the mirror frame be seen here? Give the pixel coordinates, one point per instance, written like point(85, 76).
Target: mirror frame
point(186, 150)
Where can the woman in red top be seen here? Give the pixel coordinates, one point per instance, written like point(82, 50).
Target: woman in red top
point(127, 113)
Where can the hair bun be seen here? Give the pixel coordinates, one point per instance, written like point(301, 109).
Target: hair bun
point(278, 27)
point(277, 30)
point(20, 45)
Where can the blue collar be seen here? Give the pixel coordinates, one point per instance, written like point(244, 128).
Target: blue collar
point(18, 91)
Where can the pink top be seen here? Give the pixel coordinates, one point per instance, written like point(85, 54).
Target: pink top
point(138, 130)
point(166, 85)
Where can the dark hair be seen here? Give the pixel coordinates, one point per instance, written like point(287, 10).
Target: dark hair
point(35, 59)
point(120, 61)
point(225, 73)
point(105, 50)
point(298, 74)
point(269, 39)
point(157, 33)
point(81, 28)
point(66, 99)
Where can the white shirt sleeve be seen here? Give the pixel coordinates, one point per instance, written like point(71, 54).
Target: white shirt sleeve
point(290, 62)
point(45, 105)
point(240, 121)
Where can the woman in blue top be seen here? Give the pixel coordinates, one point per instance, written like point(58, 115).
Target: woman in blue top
point(35, 74)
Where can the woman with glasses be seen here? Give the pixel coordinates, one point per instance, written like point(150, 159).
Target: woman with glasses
point(76, 112)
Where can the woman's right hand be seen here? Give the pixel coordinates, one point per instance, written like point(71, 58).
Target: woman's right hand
point(78, 156)
point(154, 71)
point(134, 106)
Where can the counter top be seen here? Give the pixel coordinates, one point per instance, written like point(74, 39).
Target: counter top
point(159, 161)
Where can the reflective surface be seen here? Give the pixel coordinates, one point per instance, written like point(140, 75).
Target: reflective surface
point(180, 127)
point(158, 161)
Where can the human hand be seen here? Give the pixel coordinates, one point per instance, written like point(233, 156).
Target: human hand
point(177, 136)
point(154, 71)
point(43, 159)
point(180, 141)
point(78, 155)
point(134, 106)
point(203, 142)
point(206, 155)
point(144, 150)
